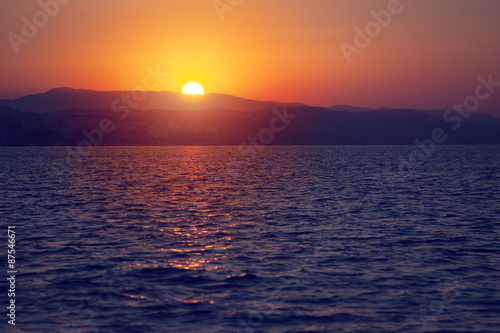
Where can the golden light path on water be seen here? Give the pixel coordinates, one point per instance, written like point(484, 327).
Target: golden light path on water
point(194, 249)
point(195, 237)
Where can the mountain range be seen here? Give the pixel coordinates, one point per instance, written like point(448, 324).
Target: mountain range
point(65, 116)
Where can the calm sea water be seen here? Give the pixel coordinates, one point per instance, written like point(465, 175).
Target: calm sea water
point(298, 239)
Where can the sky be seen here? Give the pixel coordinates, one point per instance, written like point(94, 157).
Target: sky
point(420, 54)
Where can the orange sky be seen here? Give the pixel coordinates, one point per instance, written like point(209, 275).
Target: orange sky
point(428, 56)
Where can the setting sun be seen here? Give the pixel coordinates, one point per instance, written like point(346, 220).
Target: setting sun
point(193, 88)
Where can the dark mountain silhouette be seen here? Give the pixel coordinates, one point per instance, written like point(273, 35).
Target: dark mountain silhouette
point(60, 99)
point(240, 121)
point(348, 108)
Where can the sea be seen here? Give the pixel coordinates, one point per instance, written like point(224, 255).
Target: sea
point(286, 239)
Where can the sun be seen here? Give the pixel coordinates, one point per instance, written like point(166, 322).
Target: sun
point(193, 88)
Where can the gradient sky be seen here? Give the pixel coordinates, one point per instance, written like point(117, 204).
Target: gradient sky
point(429, 56)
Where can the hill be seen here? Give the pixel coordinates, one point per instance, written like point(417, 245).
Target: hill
point(298, 125)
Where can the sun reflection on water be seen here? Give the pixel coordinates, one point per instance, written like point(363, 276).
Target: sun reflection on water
point(195, 247)
point(194, 229)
